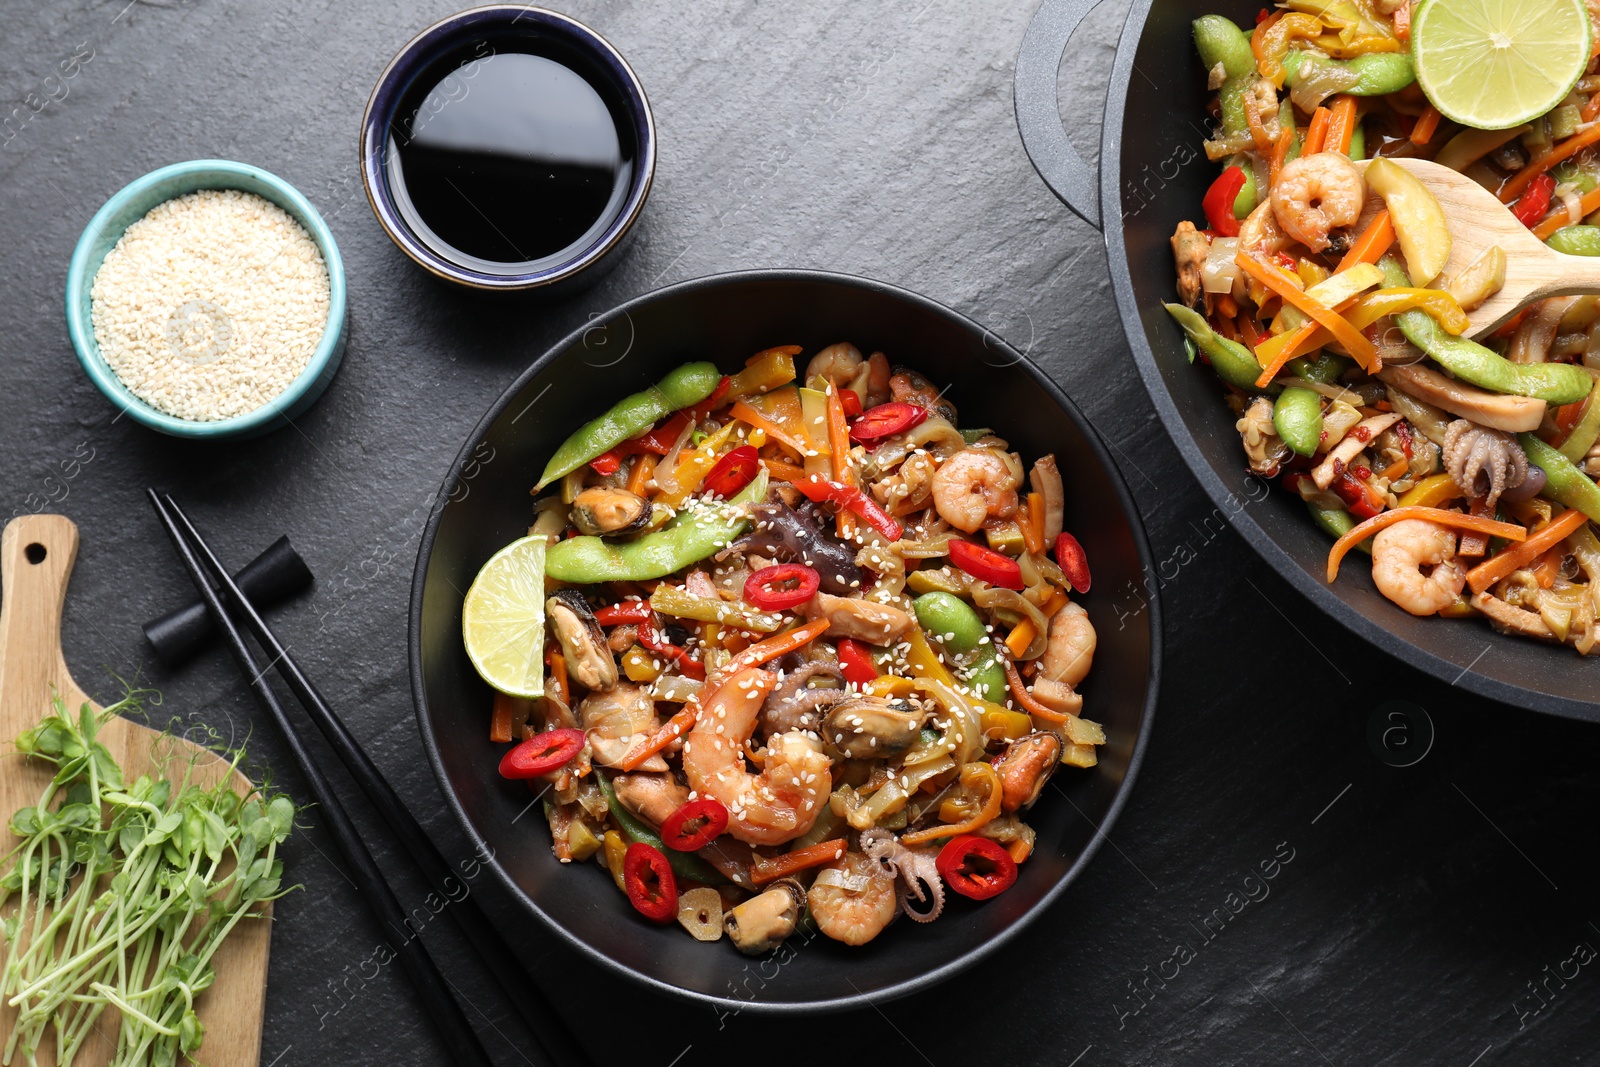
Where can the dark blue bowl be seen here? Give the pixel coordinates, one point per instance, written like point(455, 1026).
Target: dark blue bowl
point(598, 61)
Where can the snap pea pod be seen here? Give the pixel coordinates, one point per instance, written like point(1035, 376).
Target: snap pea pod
point(1377, 73)
point(1358, 142)
point(1324, 370)
point(1564, 482)
point(1583, 435)
point(1336, 522)
point(632, 416)
point(1297, 416)
point(684, 864)
point(1233, 362)
point(1219, 40)
point(959, 630)
point(1554, 383)
point(691, 537)
point(1576, 240)
point(1245, 202)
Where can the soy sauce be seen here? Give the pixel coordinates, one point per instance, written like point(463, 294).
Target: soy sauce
point(506, 158)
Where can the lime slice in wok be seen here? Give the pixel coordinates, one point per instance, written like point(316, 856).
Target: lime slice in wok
point(502, 620)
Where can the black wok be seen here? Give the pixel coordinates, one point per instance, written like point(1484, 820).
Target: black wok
point(1152, 174)
point(484, 505)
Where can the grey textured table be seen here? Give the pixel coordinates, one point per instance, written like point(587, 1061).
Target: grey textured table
point(1278, 891)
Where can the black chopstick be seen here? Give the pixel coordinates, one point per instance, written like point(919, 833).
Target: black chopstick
point(542, 1021)
point(460, 1040)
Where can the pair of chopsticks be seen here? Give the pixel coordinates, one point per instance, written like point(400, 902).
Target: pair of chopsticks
point(555, 1043)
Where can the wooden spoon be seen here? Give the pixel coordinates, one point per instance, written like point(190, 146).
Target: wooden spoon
point(1479, 221)
point(36, 557)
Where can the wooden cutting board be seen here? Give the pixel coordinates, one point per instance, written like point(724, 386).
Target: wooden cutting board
point(36, 557)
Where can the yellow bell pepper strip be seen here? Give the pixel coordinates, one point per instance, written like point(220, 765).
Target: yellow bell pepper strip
point(1271, 40)
point(1515, 557)
point(692, 470)
point(972, 776)
point(1003, 724)
point(1347, 335)
point(1431, 492)
point(1564, 481)
point(922, 659)
point(889, 685)
point(1363, 312)
point(1509, 530)
point(763, 372)
point(745, 413)
point(1356, 30)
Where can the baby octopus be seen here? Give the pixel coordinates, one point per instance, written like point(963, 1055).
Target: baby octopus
point(1315, 195)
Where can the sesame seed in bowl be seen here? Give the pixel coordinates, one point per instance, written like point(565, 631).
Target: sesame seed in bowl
point(206, 299)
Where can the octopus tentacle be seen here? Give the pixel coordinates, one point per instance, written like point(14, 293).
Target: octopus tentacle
point(1483, 462)
point(915, 869)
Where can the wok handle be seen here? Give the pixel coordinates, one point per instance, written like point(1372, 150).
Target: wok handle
point(1039, 110)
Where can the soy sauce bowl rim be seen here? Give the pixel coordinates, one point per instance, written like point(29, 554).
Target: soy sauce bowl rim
point(409, 62)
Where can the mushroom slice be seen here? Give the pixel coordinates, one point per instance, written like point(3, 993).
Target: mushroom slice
point(583, 643)
point(1514, 414)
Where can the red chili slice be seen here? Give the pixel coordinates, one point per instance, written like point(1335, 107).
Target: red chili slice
point(975, 867)
point(770, 588)
point(607, 462)
point(647, 876)
point(648, 639)
point(629, 611)
point(996, 568)
point(855, 663)
point(541, 754)
point(1073, 561)
point(850, 402)
point(733, 472)
point(848, 496)
point(886, 420)
point(695, 825)
point(712, 402)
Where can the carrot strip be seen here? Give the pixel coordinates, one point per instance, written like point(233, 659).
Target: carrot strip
point(1346, 334)
point(1258, 131)
point(1031, 519)
point(1402, 21)
point(1026, 700)
point(558, 676)
point(500, 721)
point(775, 646)
point(1591, 110)
point(1510, 531)
point(1317, 132)
point(839, 446)
point(1342, 127)
point(1396, 469)
point(1520, 181)
point(1515, 557)
point(745, 413)
point(1024, 632)
point(971, 775)
point(765, 869)
point(1372, 242)
point(1280, 152)
point(1298, 343)
point(1589, 204)
point(785, 472)
point(1426, 126)
point(1227, 306)
point(1548, 567)
point(643, 468)
point(673, 729)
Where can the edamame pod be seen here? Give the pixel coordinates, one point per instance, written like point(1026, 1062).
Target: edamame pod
point(1377, 73)
point(1336, 522)
point(1246, 201)
point(1564, 482)
point(1297, 416)
point(1554, 383)
point(632, 416)
point(1576, 240)
point(1233, 362)
point(1326, 369)
point(959, 630)
point(691, 537)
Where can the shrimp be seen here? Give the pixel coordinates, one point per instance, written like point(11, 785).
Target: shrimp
point(1260, 232)
point(974, 485)
point(1070, 652)
point(616, 720)
point(877, 379)
point(1315, 195)
point(853, 899)
point(839, 364)
point(781, 802)
point(1414, 564)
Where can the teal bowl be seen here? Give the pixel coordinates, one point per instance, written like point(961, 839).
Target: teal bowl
point(131, 204)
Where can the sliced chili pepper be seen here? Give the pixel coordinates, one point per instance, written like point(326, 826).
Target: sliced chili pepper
point(629, 611)
point(1073, 561)
point(1218, 203)
point(732, 472)
point(886, 420)
point(976, 867)
point(607, 462)
point(855, 663)
point(695, 825)
point(1359, 500)
point(851, 403)
point(1535, 201)
point(996, 568)
point(647, 876)
point(688, 667)
point(712, 402)
point(770, 588)
point(848, 496)
point(541, 754)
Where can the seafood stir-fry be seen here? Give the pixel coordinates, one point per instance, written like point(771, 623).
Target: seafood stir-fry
point(1315, 292)
point(810, 648)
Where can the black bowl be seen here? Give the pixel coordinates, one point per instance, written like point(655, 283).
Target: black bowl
point(1153, 173)
point(484, 505)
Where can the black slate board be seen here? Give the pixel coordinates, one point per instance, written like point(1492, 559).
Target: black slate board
point(1441, 912)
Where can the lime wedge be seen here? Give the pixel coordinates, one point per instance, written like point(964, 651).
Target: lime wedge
point(502, 620)
point(1494, 64)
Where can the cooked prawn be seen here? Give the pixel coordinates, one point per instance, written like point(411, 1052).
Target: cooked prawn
point(1315, 195)
point(974, 485)
point(852, 899)
point(839, 364)
point(1414, 564)
point(1260, 232)
point(616, 720)
point(1070, 651)
point(781, 802)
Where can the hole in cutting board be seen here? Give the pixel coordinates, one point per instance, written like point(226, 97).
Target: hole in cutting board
point(35, 553)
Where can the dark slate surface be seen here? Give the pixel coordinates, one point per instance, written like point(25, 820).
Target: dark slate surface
point(1441, 912)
